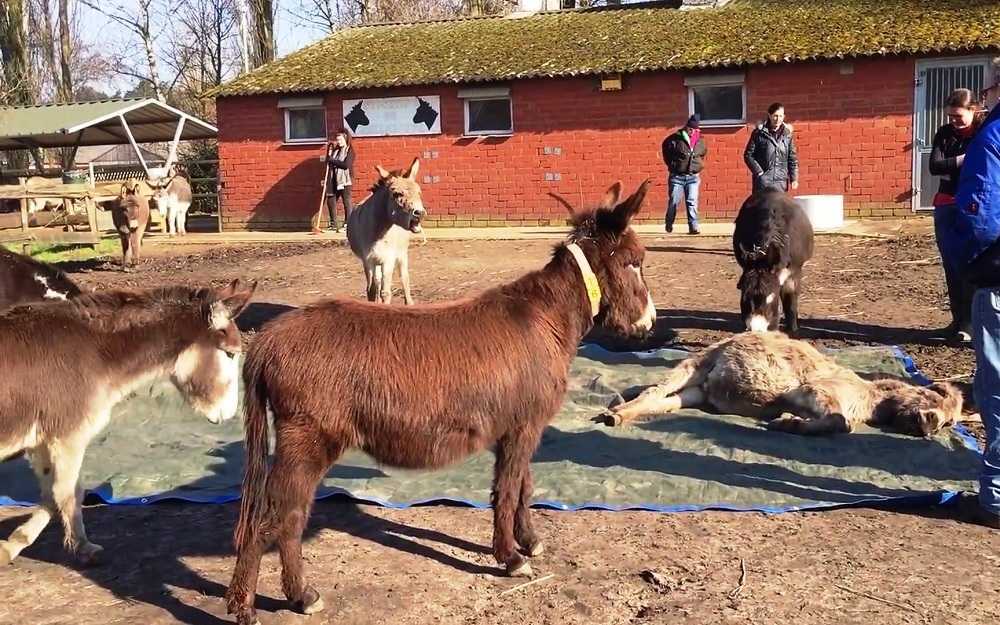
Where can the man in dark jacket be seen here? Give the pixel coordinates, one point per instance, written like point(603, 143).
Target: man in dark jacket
point(771, 155)
point(973, 244)
point(684, 154)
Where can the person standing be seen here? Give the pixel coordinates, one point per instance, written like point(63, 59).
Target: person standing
point(340, 167)
point(972, 243)
point(771, 155)
point(684, 154)
point(947, 156)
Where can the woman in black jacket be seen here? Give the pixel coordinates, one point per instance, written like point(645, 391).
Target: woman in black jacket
point(340, 167)
point(947, 155)
point(771, 155)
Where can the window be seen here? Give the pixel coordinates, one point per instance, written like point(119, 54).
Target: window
point(305, 119)
point(720, 100)
point(306, 125)
point(488, 111)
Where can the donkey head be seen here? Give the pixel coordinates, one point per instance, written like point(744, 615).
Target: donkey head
point(760, 304)
point(919, 410)
point(207, 372)
point(615, 255)
point(405, 206)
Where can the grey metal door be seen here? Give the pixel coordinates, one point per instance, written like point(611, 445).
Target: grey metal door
point(935, 81)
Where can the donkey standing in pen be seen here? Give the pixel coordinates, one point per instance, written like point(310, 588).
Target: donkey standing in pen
point(173, 198)
point(67, 363)
point(422, 387)
point(379, 231)
point(131, 216)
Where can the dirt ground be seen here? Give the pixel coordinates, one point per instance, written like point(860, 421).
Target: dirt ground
point(171, 563)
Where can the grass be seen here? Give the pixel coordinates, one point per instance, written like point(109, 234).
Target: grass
point(61, 252)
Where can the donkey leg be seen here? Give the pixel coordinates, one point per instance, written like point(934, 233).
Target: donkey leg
point(28, 532)
point(182, 213)
point(295, 477)
point(387, 270)
point(404, 278)
point(653, 402)
point(68, 495)
point(524, 531)
point(513, 455)
point(790, 304)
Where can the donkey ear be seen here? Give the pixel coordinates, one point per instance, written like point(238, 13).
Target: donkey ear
point(630, 207)
point(382, 172)
point(611, 196)
point(235, 296)
point(411, 173)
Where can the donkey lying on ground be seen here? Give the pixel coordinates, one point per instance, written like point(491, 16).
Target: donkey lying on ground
point(426, 386)
point(66, 365)
point(24, 279)
point(788, 382)
point(379, 231)
point(131, 216)
point(772, 240)
point(172, 194)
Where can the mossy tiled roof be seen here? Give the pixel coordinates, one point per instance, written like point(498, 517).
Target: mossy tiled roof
point(629, 39)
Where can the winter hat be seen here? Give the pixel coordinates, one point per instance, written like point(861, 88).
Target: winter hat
point(694, 121)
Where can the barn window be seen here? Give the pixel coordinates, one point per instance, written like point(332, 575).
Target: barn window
point(720, 99)
point(488, 111)
point(305, 120)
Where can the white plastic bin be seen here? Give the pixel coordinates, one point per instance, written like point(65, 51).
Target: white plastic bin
point(825, 212)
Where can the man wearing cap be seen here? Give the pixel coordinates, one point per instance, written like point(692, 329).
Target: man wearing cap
point(684, 154)
point(972, 242)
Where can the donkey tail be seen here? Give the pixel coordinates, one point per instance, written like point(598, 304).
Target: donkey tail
point(254, 503)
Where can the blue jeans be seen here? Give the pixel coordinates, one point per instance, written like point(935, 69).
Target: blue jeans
point(688, 185)
point(959, 291)
point(986, 390)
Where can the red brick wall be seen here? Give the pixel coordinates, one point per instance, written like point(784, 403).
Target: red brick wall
point(853, 132)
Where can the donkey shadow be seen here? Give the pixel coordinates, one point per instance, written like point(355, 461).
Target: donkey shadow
point(153, 570)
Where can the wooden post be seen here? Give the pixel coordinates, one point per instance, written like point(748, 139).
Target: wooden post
point(135, 146)
point(172, 154)
point(92, 217)
point(24, 204)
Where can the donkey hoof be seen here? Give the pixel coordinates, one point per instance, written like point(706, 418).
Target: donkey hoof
point(609, 418)
point(5, 555)
point(537, 549)
point(311, 602)
point(519, 569)
point(90, 554)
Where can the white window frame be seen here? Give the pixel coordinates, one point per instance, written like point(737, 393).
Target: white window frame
point(302, 104)
point(718, 80)
point(479, 94)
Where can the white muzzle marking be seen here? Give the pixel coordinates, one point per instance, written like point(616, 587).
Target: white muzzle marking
point(783, 276)
point(758, 323)
point(648, 319)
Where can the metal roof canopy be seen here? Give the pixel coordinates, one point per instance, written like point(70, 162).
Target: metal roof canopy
point(129, 121)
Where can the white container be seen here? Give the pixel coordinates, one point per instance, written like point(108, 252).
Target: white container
point(825, 212)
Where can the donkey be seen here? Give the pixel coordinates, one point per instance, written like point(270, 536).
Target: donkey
point(767, 375)
point(24, 279)
point(491, 370)
point(67, 364)
point(131, 216)
point(378, 231)
point(173, 198)
point(357, 117)
point(772, 240)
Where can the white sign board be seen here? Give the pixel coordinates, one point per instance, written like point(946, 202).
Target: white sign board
point(380, 117)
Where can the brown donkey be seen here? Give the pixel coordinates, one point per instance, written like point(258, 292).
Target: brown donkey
point(131, 216)
point(67, 363)
point(424, 386)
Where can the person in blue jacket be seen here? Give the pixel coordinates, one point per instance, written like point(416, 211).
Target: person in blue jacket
point(972, 243)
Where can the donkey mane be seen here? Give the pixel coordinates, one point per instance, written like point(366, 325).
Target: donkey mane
point(384, 182)
point(118, 310)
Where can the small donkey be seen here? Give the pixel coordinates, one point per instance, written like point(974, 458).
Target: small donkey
point(131, 216)
point(67, 363)
point(173, 197)
point(379, 231)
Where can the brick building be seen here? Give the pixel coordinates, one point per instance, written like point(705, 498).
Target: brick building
point(506, 112)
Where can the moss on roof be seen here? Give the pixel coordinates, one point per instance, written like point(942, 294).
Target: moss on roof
point(627, 39)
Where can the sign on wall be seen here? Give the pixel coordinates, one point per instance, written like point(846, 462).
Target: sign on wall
point(380, 117)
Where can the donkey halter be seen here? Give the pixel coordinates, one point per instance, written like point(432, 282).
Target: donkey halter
point(589, 278)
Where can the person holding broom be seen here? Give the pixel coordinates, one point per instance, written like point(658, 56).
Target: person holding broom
point(339, 169)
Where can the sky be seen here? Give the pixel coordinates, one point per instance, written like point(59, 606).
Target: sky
point(289, 35)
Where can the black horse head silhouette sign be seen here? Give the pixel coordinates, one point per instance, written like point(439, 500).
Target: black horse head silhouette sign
point(380, 117)
point(357, 117)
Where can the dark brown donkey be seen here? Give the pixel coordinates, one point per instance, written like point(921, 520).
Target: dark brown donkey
point(131, 216)
point(424, 386)
point(67, 363)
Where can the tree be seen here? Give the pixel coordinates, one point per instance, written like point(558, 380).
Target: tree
point(203, 51)
point(16, 86)
point(261, 32)
point(137, 20)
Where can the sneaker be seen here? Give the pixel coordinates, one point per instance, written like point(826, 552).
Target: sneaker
point(694, 231)
point(968, 510)
point(669, 227)
point(963, 337)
